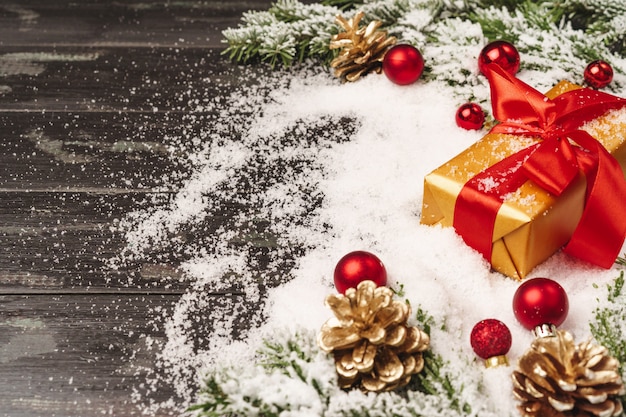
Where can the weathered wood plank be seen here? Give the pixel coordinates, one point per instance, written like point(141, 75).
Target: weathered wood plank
point(120, 23)
point(69, 241)
point(91, 95)
point(77, 355)
point(89, 355)
point(65, 241)
point(93, 152)
point(147, 80)
point(65, 180)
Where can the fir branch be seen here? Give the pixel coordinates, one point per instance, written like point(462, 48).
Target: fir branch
point(425, 320)
point(400, 292)
point(388, 12)
point(286, 368)
point(587, 12)
point(434, 381)
point(608, 327)
point(567, 34)
point(496, 22)
point(343, 4)
point(286, 356)
point(215, 401)
point(613, 34)
point(295, 362)
point(288, 32)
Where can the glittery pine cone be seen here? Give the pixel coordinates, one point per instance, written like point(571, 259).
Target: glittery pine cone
point(556, 378)
point(362, 48)
point(374, 348)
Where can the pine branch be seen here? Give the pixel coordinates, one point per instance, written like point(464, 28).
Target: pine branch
point(291, 31)
point(433, 380)
point(295, 362)
point(216, 402)
point(388, 12)
point(288, 32)
point(613, 33)
point(608, 327)
point(343, 4)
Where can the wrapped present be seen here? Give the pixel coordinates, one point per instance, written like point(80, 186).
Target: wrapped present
point(550, 174)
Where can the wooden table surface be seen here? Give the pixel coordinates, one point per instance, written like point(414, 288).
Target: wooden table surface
point(89, 93)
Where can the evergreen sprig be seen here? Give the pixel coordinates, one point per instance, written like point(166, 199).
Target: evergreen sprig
point(296, 362)
point(287, 32)
point(291, 31)
point(433, 379)
point(343, 4)
point(608, 327)
point(215, 401)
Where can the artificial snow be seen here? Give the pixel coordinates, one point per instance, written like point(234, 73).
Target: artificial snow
point(333, 167)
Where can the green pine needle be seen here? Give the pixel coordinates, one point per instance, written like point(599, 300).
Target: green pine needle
point(608, 326)
point(297, 358)
point(290, 32)
point(343, 4)
point(216, 401)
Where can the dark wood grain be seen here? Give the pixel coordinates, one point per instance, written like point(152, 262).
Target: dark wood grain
point(105, 79)
point(108, 152)
point(182, 24)
point(100, 101)
point(71, 355)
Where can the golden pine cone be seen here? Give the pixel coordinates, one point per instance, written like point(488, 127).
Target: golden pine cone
point(556, 378)
point(374, 348)
point(362, 49)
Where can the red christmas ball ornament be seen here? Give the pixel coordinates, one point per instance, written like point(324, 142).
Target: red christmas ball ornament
point(540, 302)
point(356, 267)
point(491, 340)
point(403, 64)
point(598, 74)
point(470, 116)
point(502, 53)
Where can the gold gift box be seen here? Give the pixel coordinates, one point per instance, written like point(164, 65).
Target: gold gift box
point(532, 224)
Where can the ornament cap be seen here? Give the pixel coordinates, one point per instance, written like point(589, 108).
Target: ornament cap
point(544, 330)
point(496, 361)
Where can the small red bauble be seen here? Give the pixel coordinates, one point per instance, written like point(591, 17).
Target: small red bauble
point(540, 301)
point(470, 116)
point(403, 64)
point(598, 74)
point(490, 338)
point(356, 267)
point(502, 53)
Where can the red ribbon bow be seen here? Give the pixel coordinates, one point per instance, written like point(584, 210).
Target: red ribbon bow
point(552, 163)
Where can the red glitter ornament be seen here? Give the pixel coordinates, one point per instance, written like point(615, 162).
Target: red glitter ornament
point(470, 116)
point(491, 340)
point(403, 64)
point(540, 301)
point(598, 74)
point(502, 53)
point(356, 267)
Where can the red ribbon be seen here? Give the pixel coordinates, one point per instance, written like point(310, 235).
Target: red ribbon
point(553, 164)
